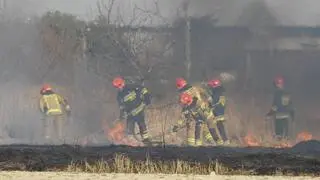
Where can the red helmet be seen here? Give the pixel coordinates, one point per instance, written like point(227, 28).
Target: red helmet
point(45, 88)
point(118, 82)
point(278, 81)
point(180, 83)
point(185, 99)
point(214, 83)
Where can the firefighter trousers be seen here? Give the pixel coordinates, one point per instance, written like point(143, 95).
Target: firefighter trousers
point(194, 133)
point(208, 131)
point(212, 130)
point(207, 135)
point(140, 120)
point(53, 126)
point(217, 130)
point(281, 128)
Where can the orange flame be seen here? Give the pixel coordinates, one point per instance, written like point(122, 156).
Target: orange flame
point(250, 140)
point(117, 135)
point(283, 145)
point(304, 136)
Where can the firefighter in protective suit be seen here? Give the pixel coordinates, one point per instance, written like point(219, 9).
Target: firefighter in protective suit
point(197, 114)
point(217, 92)
point(132, 100)
point(51, 107)
point(282, 111)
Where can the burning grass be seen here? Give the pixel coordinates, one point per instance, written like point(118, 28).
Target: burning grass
point(160, 120)
point(243, 131)
point(278, 159)
point(116, 135)
point(169, 160)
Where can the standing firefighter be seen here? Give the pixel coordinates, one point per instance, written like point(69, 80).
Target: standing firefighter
point(132, 100)
point(195, 104)
point(281, 111)
point(217, 92)
point(51, 106)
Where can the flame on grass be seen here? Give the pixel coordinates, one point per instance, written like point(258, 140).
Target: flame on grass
point(304, 136)
point(117, 135)
point(251, 140)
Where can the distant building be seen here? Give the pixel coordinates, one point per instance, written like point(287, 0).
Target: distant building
point(258, 43)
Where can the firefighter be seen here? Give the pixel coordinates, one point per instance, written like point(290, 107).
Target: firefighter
point(51, 106)
point(217, 92)
point(282, 111)
point(132, 100)
point(196, 114)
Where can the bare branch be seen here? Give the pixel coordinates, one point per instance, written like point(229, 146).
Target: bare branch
point(134, 45)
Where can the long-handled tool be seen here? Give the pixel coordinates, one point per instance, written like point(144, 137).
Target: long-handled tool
point(269, 126)
point(292, 128)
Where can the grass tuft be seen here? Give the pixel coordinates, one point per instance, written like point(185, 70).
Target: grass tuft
point(123, 164)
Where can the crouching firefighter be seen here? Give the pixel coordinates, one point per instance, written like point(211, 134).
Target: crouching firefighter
point(132, 100)
point(282, 111)
point(218, 104)
point(196, 110)
point(54, 114)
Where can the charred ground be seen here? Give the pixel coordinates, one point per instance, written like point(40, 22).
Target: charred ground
point(302, 159)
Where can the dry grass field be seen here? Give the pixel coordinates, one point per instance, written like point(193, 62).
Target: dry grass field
point(302, 159)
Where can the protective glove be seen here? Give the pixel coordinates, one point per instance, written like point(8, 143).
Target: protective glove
point(270, 113)
point(68, 110)
point(45, 110)
point(199, 121)
point(187, 114)
point(210, 100)
point(175, 128)
point(123, 115)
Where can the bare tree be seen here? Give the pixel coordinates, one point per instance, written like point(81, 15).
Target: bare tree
point(136, 37)
point(59, 34)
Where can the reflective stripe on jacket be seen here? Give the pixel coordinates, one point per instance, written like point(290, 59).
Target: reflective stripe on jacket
point(50, 104)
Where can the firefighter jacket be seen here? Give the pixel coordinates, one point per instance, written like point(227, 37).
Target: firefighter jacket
point(218, 100)
point(132, 100)
point(197, 92)
point(50, 103)
point(200, 109)
point(282, 105)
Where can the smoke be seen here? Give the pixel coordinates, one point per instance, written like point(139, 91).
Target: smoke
point(289, 12)
point(20, 50)
point(19, 55)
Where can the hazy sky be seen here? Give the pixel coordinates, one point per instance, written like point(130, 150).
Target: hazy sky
point(291, 12)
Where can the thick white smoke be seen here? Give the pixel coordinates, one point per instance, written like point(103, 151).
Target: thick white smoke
point(290, 12)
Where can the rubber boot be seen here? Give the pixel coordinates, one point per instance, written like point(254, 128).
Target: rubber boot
point(208, 138)
point(147, 142)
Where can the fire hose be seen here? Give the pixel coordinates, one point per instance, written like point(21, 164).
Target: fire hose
point(168, 132)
